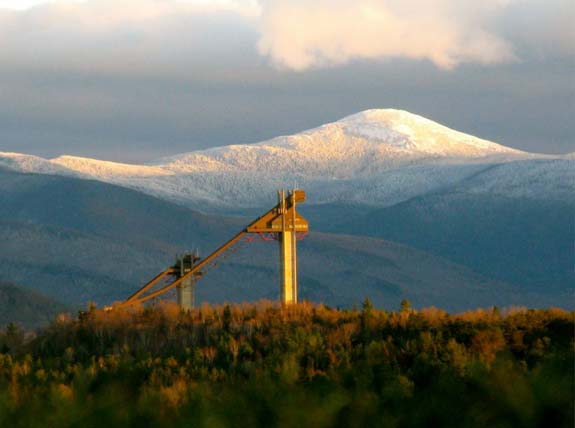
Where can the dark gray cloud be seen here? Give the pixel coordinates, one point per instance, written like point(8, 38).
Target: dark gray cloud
point(107, 80)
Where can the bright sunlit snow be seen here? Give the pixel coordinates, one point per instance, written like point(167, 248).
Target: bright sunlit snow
point(376, 157)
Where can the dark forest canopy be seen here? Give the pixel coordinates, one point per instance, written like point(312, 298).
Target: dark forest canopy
point(310, 365)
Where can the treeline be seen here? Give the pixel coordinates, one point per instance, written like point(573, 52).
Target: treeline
point(307, 366)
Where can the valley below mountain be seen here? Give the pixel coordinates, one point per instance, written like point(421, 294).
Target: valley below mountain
point(83, 241)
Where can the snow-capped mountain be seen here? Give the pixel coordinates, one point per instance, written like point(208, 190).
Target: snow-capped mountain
point(377, 157)
point(358, 145)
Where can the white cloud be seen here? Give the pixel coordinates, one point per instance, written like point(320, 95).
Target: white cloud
point(144, 35)
point(20, 4)
point(300, 34)
point(27, 4)
point(136, 36)
point(542, 29)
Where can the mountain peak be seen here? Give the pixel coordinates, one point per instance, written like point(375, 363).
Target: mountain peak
point(383, 115)
point(400, 129)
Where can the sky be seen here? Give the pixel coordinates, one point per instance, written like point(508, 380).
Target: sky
point(135, 80)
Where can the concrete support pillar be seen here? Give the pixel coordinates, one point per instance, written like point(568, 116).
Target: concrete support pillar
point(288, 274)
point(185, 294)
point(288, 257)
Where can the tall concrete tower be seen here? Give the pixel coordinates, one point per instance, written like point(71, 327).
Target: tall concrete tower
point(285, 222)
point(287, 241)
point(185, 291)
point(185, 294)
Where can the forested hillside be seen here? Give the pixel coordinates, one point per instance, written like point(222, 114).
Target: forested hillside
point(306, 366)
point(521, 241)
point(84, 241)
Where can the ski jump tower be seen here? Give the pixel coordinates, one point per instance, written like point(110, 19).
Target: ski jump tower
point(282, 223)
point(285, 223)
point(287, 239)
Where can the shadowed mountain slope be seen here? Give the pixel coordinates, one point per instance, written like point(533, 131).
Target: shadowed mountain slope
point(87, 241)
point(26, 307)
point(518, 240)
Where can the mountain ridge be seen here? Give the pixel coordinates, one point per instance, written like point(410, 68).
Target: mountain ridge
point(406, 154)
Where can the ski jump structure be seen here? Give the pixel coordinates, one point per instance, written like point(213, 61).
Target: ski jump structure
point(282, 223)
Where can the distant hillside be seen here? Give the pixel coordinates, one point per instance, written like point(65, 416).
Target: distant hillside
point(27, 307)
point(500, 222)
point(341, 270)
point(85, 241)
point(105, 210)
point(519, 240)
point(81, 240)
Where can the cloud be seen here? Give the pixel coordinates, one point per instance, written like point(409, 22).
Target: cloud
point(540, 29)
point(188, 36)
point(135, 79)
point(300, 34)
point(133, 36)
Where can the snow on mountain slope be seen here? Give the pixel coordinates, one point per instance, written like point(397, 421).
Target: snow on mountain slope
point(377, 156)
point(552, 179)
point(34, 164)
point(358, 145)
point(410, 132)
point(104, 170)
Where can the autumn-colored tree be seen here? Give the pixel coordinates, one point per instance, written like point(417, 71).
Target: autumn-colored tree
point(307, 365)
